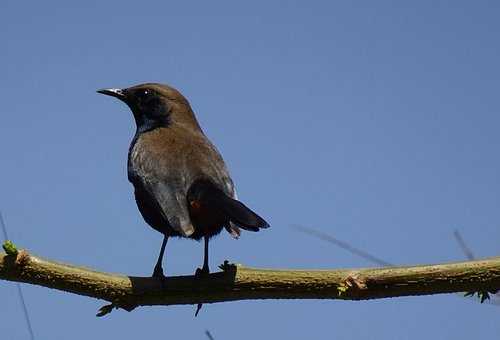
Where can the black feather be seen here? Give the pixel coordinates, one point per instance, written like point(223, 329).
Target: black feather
point(235, 211)
point(240, 214)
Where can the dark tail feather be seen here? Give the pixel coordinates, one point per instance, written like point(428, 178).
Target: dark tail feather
point(240, 214)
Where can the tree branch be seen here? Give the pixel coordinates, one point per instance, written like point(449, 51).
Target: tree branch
point(236, 282)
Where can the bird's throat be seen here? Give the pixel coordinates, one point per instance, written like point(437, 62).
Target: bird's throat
point(145, 124)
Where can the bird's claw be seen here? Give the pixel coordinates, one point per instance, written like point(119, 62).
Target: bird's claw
point(202, 273)
point(158, 273)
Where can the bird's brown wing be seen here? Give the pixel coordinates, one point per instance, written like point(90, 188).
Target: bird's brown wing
point(173, 206)
point(211, 164)
point(163, 178)
point(216, 169)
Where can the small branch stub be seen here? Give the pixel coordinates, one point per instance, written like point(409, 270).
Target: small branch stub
point(9, 248)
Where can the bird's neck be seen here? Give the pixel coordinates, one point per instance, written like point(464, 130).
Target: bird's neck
point(145, 124)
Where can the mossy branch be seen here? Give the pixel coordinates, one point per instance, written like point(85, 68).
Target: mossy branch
point(237, 282)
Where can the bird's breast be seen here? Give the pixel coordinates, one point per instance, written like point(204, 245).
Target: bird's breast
point(153, 152)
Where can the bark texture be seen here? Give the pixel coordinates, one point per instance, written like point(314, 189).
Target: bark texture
point(236, 282)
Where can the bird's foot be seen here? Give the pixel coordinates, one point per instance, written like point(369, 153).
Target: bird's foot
point(158, 273)
point(202, 273)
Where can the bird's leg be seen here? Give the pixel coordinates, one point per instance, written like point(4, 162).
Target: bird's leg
point(205, 270)
point(158, 271)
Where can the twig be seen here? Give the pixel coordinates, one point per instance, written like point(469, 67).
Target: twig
point(468, 253)
point(344, 245)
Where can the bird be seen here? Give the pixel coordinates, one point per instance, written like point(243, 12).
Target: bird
point(182, 186)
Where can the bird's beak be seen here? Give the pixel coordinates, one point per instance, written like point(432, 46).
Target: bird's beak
point(118, 93)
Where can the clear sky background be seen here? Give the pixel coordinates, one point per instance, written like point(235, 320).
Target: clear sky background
point(377, 122)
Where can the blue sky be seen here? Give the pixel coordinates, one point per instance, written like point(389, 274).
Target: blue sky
point(376, 122)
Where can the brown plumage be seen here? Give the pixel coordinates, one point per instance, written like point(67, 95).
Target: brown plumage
point(182, 186)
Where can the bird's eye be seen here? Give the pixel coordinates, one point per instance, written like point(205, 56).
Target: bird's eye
point(144, 94)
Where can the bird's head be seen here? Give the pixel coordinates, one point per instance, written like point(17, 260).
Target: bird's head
point(155, 105)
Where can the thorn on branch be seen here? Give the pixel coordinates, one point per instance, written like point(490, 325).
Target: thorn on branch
point(105, 310)
point(483, 295)
point(109, 308)
point(198, 307)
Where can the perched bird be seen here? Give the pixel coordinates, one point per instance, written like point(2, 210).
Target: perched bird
point(182, 186)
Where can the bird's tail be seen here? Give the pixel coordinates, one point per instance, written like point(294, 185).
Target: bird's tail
point(239, 215)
